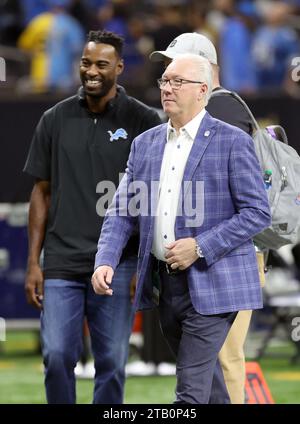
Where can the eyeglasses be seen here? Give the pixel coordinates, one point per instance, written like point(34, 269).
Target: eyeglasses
point(175, 83)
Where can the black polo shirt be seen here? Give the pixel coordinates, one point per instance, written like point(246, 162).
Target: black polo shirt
point(76, 150)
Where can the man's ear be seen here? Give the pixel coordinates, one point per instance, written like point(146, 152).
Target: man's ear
point(202, 90)
point(120, 67)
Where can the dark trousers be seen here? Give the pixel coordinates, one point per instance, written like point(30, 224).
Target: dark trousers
point(195, 340)
point(155, 347)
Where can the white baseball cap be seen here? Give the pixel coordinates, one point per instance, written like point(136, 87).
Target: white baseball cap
point(189, 42)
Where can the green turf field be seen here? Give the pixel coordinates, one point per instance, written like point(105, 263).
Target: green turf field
point(21, 376)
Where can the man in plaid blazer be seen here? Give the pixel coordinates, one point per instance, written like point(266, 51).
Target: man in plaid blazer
point(195, 188)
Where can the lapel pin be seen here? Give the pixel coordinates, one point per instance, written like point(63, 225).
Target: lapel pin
point(206, 134)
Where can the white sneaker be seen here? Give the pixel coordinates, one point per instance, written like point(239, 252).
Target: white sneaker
point(85, 371)
point(78, 369)
point(140, 368)
point(164, 368)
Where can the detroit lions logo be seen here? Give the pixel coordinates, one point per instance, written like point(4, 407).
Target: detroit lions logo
point(119, 133)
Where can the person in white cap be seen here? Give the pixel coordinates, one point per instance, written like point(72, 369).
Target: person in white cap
point(223, 106)
point(228, 109)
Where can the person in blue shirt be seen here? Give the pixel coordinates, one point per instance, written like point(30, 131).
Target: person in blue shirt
point(64, 47)
point(235, 47)
point(54, 39)
point(274, 46)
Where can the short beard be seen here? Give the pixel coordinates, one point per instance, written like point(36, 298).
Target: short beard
point(106, 87)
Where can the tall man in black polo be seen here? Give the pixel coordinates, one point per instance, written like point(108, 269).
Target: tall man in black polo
point(80, 146)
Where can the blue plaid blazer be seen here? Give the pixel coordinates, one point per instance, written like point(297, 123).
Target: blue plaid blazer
point(235, 208)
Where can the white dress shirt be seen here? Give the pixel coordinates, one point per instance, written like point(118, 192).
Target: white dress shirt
point(175, 157)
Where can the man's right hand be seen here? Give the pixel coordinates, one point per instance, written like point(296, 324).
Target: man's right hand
point(34, 286)
point(101, 280)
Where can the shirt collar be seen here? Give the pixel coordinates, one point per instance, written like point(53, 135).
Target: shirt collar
point(191, 128)
point(111, 103)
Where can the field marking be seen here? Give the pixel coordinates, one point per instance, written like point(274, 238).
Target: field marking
point(286, 375)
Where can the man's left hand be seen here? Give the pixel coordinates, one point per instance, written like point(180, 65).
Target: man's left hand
point(181, 253)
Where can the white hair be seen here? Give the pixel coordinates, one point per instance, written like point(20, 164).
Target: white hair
point(204, 71)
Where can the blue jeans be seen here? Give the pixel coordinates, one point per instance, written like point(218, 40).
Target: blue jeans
point(110, 321)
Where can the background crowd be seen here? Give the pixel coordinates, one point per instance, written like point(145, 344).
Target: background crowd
point(41, 40)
